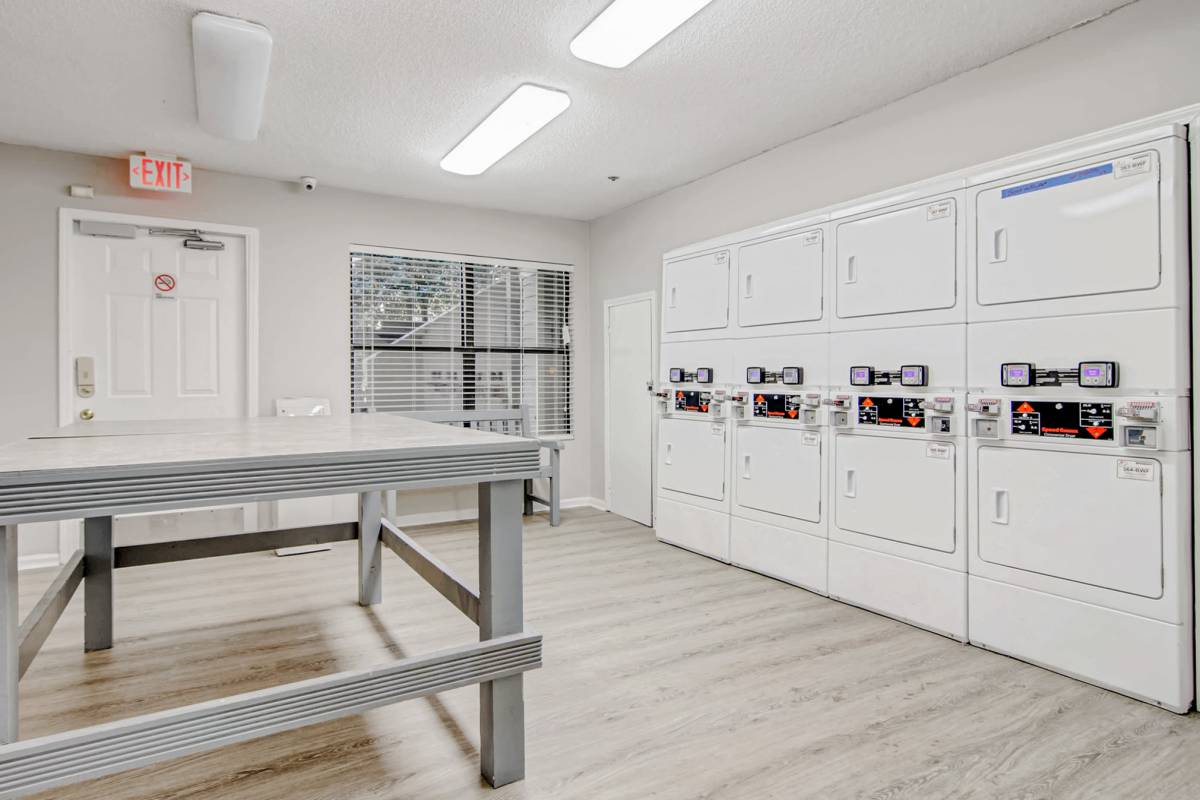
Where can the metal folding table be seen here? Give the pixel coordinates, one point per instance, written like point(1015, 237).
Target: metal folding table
point(94, 471)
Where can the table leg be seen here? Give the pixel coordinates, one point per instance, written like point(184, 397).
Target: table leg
point(501, 702)
point(97, 583)
point(9, 645)
point(370, 549)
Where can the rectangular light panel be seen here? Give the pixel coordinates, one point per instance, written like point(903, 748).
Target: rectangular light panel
point(628, 28)
point(522, 114)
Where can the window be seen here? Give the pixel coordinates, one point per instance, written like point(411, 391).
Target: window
point(433, 332)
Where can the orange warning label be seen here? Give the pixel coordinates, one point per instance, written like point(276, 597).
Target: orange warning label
point(1024, 408)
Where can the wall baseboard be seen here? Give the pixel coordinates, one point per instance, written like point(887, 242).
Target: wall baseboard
point(584, 502)
point(37, 561)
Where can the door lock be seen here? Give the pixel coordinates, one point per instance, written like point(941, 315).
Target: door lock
point(86, 415)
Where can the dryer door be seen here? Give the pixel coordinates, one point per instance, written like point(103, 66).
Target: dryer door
point(692, 456)
point(1089, 230)
point(898, 489)
point(778, 470)
point(898, 261)
point(779, 280)
point(1085, 517)
point(696, 293)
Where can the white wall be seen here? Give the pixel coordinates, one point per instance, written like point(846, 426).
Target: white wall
point(1140, 60)
point(304, 280)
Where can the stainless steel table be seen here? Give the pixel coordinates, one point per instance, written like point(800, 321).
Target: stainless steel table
point(96, 470)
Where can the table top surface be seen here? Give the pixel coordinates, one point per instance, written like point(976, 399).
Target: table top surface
point(106, 445)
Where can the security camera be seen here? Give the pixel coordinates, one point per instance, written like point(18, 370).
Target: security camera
point(308, 184)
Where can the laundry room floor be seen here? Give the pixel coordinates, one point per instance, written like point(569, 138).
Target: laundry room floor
point(666, 675)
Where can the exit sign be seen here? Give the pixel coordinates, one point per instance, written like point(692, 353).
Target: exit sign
point(160, 173)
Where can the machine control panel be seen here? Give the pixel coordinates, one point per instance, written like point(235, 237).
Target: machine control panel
point(777, 406)
point(1062, 420)
point(790, 376)
point(1137, 424)
point(1088, 374)
point(907, 375)
point(891, 412)
point(682, 375)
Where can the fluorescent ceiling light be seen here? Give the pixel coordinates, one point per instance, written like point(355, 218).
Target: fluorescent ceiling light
point(232, 58)
point(628, 28)
point(521, 115)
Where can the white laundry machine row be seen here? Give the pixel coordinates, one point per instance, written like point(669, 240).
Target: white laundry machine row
point(781, 458)
point(897, 529)
point(694, 444)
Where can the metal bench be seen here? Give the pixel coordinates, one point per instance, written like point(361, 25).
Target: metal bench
point(512, 422)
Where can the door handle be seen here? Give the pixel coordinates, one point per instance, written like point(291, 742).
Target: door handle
point(674, 297)
point(851, 484)
point(999, 245)
point(749, 286)
point(746, 466)
point(851, 270)
point(1000, 506)
point(667, 460)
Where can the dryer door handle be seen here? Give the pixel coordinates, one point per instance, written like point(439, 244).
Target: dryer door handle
point(851, 275)
point(746, 466)
point(667, 459)
point(851, 483)
point(999, 246)
point(1000, 506)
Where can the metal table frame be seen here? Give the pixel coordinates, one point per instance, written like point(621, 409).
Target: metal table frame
point(499, 464)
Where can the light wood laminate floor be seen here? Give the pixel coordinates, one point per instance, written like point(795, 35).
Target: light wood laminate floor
point(667, 676)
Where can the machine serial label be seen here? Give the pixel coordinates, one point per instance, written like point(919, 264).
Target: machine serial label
point(810, 238)
point(1058, 420)
point(1133, 165)
point(1134, 470)
point(692, 401)
point(777, 406)
point(939, 210)
point(891, 412)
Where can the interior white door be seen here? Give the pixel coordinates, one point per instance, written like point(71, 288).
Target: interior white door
point(629, 408)
point(164, 327)
point(157, 331)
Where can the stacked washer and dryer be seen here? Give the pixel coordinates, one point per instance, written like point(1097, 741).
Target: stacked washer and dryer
point(965, 404)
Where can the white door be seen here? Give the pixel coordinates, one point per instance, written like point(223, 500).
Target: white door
point(1092, 229)
point(696, 293)
point(897, 489)
point(1077, 516)
point(692, 456)
point(629, 407)
point(778, 470)
point(779, 280)
point(164, 327)
point(155, 331)
point(898, 261)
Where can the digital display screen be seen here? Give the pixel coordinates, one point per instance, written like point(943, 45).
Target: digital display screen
point(1016, 374)
point(912, 375)
point(754, 374)
point(1098, 374)
point(793, 375)
point(862, 376)
point(704, 375)
point(676, 375)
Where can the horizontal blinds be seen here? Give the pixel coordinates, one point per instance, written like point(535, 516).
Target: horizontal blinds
point(433, 334)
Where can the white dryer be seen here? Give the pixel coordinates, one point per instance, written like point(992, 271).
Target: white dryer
point(694, 442)
point(897, 535)
point(780, 459)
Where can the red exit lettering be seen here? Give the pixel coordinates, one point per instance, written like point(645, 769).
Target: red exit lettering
point(160, 174)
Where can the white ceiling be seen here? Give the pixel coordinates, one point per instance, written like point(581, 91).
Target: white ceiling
point(370, 94)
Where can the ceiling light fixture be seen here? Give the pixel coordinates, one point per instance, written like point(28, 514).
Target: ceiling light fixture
point(232, 58)
point(628, 28)
point(521, 115)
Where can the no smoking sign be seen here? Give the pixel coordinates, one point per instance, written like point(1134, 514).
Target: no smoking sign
point(164, 282)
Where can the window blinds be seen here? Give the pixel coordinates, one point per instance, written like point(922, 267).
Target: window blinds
point(434, 333)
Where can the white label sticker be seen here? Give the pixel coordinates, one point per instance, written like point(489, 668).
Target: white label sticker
point(1135, 470)
point(718, 430)
point(939, 210)
point(811, 238)
point(935, 450)
point(810, 438)
point(722, 256)
point(1132, 165)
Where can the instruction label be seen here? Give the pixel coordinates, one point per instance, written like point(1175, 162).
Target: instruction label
point(1057, 180)
point(891, 412)
point(692, 401)
point(777, 406)
point(1058, 420)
